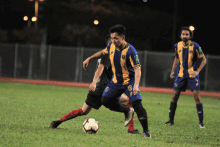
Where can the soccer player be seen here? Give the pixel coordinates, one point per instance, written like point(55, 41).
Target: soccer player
point(126, 75)
point(186, 53)
point(101, 78)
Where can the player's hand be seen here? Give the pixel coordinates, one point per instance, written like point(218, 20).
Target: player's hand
point(86, 63)
point(92, 86)
point(194, 73)
point(136, 89)
point(172, 74)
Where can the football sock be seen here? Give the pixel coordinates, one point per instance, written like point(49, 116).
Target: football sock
point(72, 114)
point(199, 108)
point(172, 111)
point(131, 124)
point(142, 114)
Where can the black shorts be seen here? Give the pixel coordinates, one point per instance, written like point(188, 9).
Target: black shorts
point(94, 98)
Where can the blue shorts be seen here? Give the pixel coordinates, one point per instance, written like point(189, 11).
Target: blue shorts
point(181, 83)
point(115, 90)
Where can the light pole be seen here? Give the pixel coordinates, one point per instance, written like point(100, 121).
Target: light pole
point(36, 9)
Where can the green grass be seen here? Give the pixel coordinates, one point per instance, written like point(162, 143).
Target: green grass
point(27, 111)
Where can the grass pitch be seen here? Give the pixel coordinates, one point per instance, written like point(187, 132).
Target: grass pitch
point(27, 111)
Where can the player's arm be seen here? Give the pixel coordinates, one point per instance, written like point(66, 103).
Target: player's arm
point(94, 56)
point(137, 71)
point(175, 63)
point(201, 55)
point(96, 77)
point(203, 63)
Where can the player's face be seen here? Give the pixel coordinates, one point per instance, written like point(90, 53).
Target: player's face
point(116, 39)
point(185, 35)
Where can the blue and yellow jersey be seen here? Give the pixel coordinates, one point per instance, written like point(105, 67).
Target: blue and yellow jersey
point(123, 62)
point(187, 58)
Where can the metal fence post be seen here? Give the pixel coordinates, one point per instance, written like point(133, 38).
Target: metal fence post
point(206, 72)
point(48, 62)
point(145, 69)
point(30, 62)
point(81, 64)
point(16, 59)
point(77, 65)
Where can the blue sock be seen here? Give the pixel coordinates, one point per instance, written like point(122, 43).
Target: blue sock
point(199, 108)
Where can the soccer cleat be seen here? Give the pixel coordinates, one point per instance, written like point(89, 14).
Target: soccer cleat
point(128, 116)
point(147, 134)
point(169, 123)
point(134, 132)
point(201, 125)
point(55, 124)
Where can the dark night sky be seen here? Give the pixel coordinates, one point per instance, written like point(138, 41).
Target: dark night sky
point(200, 14)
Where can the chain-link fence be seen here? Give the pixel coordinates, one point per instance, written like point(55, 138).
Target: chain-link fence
point(65, 64)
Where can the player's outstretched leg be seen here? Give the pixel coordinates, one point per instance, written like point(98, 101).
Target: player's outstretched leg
point(114, 105)
point(172, 109)
point(142, 116)
point(124, 100)
point(199, 108)
point(76, 112)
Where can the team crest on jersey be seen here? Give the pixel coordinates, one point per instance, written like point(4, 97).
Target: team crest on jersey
point(112, 52)
point(129, 88)
point(190, 51)
point(107, 89)
point(123, 56)
point(179, 50)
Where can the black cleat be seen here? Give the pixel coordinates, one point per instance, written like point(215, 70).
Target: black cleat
point(134, 132)
point(128, 116)
point(169, 123)
point(55, 124)
point(147, 134)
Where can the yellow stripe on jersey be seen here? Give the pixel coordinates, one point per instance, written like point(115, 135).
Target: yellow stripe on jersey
point(111, 56)
point(132, 63)
point(105, 51)
point(125, 72)
point(190, 59)
point(180, 54)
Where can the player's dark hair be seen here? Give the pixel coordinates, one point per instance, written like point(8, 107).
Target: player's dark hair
point(186, 28)
point(120, 29)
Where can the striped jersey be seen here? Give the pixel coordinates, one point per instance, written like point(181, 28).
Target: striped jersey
point(187, 58)
point(123, 62)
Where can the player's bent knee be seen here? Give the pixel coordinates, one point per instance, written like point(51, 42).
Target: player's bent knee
point(139, 109)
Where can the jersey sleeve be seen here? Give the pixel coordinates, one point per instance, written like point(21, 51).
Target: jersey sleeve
point(133, 57)
point(105, 61)
point(175, 51)
point(198, 49)
point(106, 50)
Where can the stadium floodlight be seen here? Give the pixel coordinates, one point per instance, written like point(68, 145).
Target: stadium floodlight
point(192, 28)
point(25, 18)
point(96, 22)
point(34, 19)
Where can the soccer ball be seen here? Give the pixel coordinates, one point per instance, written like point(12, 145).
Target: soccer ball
point(91, 126)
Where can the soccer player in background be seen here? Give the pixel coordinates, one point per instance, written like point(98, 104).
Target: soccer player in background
point(186, 53)
point(126, 70)
point(102, 77)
